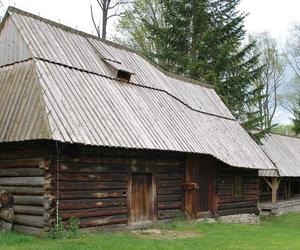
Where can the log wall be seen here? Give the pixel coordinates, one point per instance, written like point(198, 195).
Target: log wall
point(227, 203)
point(94, 184)
point(22, 173)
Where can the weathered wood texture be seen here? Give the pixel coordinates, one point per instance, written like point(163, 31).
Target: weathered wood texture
point(6, 211)
point(200, 196)
point(22, 173)
point(96, 185)
point(227, 202)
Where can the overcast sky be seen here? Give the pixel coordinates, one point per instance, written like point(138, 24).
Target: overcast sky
point(274, 16)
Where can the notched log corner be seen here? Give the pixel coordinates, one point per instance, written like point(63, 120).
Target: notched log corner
point(6, 211)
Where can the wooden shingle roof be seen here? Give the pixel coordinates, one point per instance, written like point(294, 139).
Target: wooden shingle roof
point(84, 102)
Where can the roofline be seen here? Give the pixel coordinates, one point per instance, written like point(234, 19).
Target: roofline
point(11, 10)
point(290, 136)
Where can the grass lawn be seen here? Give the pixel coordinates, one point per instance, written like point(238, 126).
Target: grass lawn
point(273, 233)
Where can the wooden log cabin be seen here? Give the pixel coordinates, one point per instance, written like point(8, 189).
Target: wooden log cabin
point(92, 130)
point(284, 182)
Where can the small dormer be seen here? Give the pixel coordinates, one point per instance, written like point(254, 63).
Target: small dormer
point(118, 70)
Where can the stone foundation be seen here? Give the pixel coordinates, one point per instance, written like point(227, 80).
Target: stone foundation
point(240, 219)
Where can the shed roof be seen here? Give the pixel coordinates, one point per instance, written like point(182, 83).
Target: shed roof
point(284, 152)
point(84, 102)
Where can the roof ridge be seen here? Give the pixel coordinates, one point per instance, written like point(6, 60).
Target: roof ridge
point(12, 10)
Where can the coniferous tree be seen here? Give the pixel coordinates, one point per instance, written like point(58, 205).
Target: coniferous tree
point(202, 39)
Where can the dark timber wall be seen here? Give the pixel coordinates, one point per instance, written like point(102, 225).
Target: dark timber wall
point(98, 185)
point(22, 172)
point(228, 204)
point(94, 183)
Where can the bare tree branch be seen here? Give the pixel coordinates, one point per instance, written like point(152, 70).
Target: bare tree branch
point(97, 28)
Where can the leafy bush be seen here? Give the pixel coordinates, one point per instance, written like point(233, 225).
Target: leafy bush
point(60, 231)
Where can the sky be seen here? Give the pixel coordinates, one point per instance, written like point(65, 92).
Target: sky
point(264, 15)
point(275, 16)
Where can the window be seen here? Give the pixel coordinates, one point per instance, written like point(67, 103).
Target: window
point(238, 188)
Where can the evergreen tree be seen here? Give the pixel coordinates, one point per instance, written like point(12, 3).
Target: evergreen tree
point(202, 39)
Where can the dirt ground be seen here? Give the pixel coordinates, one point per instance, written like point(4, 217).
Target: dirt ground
point(161, 234)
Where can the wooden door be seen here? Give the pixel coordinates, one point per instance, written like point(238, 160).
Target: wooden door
point(200, 196)
point(141, 207)
point(202, 180)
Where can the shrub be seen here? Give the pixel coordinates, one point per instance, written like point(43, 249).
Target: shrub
point(60, 231)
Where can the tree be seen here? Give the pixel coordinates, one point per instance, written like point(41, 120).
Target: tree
point(270, 80)
point(131, 28)
point(291, 101)
point(202, 40)
point(109, 9)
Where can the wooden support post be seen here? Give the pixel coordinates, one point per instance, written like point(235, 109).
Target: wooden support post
point(275, 185)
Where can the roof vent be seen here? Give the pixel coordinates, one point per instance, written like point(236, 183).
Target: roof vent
point(118, 70)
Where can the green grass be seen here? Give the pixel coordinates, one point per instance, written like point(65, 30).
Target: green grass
point(273, 233)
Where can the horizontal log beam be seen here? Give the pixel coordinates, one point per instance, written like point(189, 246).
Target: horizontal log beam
point(167, 214)
point(177, 197)
point(170, 205)
point(93, 177)
point(92, 169)
point(116, 219)
point(24, 190)
point(237, 205)
point(21, 172)
point(68, 195)
point(161, 191)
point(92, 203)
point(22, 181)
point(29, 200)
point(28, 230)
point(94, 212)
point(29, 210)
point(29, 220)
point(73, 186)
point(20, 163)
